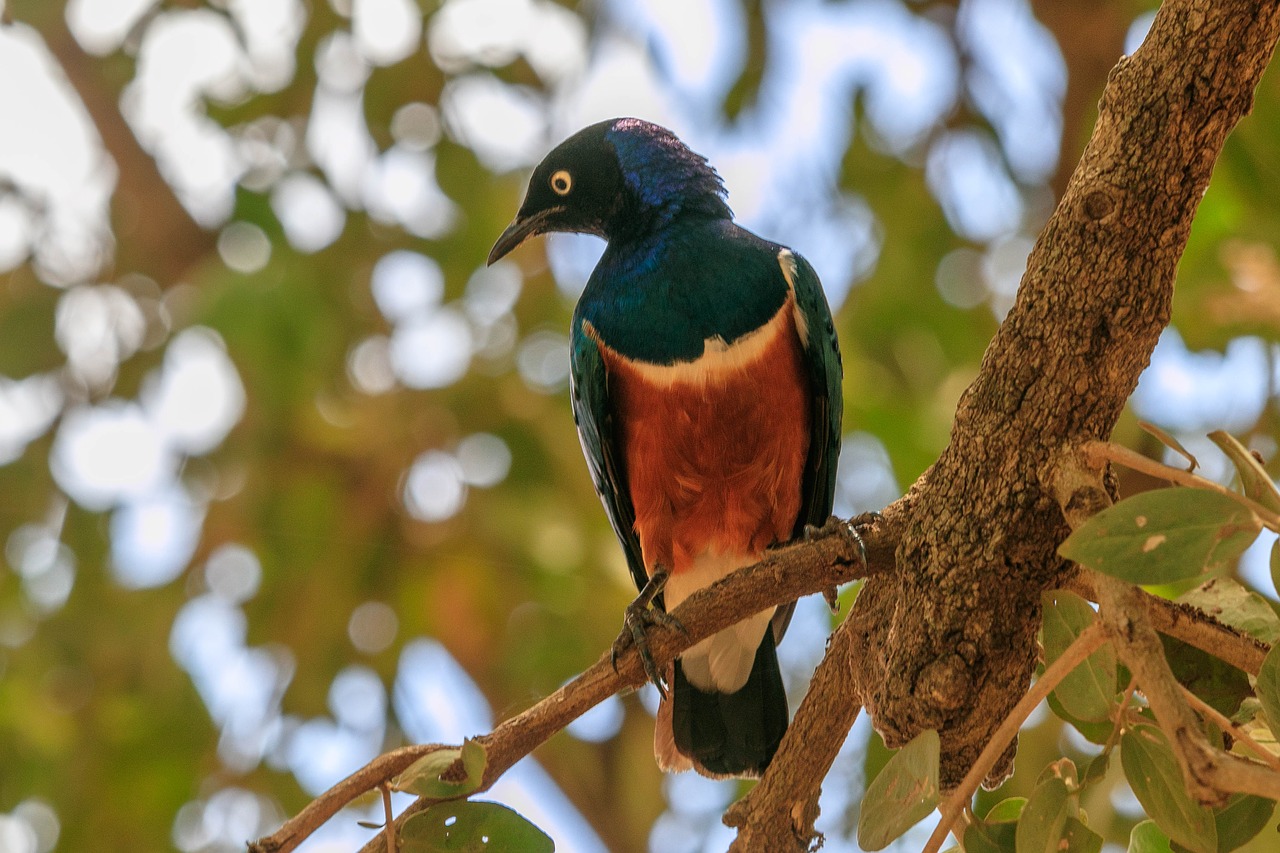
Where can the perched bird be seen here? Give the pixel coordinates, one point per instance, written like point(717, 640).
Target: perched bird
point(706, 390)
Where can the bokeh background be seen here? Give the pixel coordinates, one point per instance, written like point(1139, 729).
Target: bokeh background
point(289, 478)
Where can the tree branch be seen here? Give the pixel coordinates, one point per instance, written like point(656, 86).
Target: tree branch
point(779, 813)
point(157, 234)
point(1139, 648)
point(1224, 723)
point(1100, 451)
point(833, 556)
point(1210, 773)
point(1189, 624)
point(951, 635)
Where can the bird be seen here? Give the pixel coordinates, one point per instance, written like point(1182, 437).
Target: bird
point(706, 389)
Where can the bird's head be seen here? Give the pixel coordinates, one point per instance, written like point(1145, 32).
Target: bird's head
point(614, 178)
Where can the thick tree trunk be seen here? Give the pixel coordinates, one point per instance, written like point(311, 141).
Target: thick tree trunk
point(948, 642)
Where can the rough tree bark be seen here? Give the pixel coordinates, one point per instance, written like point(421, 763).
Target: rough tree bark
point(948, 641)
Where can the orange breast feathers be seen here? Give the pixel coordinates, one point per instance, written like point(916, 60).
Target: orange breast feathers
point(715, 449)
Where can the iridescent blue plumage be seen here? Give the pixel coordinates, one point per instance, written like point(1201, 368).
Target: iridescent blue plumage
point(657, 299)
point(706, 389)
point(662, 173)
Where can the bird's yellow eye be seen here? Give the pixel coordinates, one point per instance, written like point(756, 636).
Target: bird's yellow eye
point(561, 182)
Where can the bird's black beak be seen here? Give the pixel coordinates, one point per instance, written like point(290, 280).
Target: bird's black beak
point(521, 229)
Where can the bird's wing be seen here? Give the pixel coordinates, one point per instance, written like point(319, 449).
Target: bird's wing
point(589, 387)
point(822, 359)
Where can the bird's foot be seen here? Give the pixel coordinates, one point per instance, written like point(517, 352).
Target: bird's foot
point(832, 596)
point(638, 619)
point(836, 526)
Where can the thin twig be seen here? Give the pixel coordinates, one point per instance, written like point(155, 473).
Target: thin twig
point(1100, 450)
point(389, 818)
point(1189, 624)
point(1090, 639)
point(325, 806)
point(1122, 716)
point(1222, 722)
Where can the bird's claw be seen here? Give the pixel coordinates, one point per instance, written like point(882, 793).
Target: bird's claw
point(638, 619)
point(833, 526)
point(832, 596)
point(836, 526)
point(637, 622)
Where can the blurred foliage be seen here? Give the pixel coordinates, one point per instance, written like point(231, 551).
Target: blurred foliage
point(525, 585)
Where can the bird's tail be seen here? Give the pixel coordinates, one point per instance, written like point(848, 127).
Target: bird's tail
point(726, 734)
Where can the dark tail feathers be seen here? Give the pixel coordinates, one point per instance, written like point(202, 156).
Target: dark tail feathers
point(732, 734)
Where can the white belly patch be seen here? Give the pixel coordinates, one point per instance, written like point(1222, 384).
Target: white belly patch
point(722, 662)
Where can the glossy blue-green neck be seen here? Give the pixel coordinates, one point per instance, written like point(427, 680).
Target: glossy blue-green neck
point(658, 297)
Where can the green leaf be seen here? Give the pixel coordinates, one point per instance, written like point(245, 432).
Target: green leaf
point(990, 837)
point(1269, 687)
point(1164, 535)
point(1254, 479)
point(1170, 442)
point(1096, 770)
point(902, 794)
point(1044, 818)
point(1006, 810)
point(1064, 769)
point(1080, 838)
point(1249, 711)
point(1148, 838)
point(423, 777)
point(1275, 565)
point(463, 826)
point(1156, 780)
point(1214, 680)
point(1088, 692)
point(1242, 818)
point(997, 832)
point(1228, 601)
point(1098, 733)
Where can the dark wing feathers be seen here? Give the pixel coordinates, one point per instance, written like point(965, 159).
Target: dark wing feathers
point(589, 388)
point(822, 358)
point(822, 361)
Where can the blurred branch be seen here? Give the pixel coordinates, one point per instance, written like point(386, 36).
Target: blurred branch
point(831, 557)
point(1090, 34)
point(155, 233)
